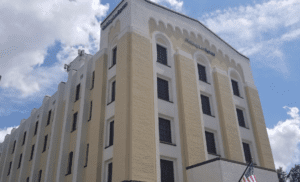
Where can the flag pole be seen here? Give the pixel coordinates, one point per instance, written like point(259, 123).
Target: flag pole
point(245, 170)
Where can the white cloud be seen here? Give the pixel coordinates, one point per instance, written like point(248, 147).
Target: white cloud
point(260, 29)
point(4, 132)
point(176, 4)
point(284, 140)
point(27, 29)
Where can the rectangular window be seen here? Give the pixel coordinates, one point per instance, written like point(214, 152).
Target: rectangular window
point(114, 57)
point(40, 176)
point(109, 172)
point(161, 54)
point(86, 154)
point(74, 121)
point(166, 170)
point(9, 168)
point(91, 107)
point(36, 127)
point(111, 133)
point(20, 160)
point(93, 80)
point(45, 143)
point(247, 152)
point(205, 105)
point(235, 88)
point(202, 73)
point(49, 117)
point(210, 142)
point(69, 170)
point(240, 116)
point(162, 89)
point(77, 92)
point(113, 91)
point(24, 138)
point(31, 155)
point(14, 146)
point(27, 180)
point(165, 130)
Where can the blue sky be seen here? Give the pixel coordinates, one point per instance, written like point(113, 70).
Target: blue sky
point(36, 42)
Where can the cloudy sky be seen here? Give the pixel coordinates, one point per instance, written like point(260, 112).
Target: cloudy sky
point(38, 37)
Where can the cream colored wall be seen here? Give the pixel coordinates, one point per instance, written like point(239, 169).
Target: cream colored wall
point(192, 136)
point(259, 127)
point(95, 133)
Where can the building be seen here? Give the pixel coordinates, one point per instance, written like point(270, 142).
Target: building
point(164, 99)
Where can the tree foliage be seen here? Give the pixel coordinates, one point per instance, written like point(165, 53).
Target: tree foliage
point(282, 176)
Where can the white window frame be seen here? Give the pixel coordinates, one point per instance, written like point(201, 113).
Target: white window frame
point(169, 86)
point(251, 151)
point(173, 135)
point(206, 72)
point(218, 152)
point(109, 89)
point(174, 160)
point(108, 131)
point(106, 168)
point(110, 57)
point(210, 103)
point(244, 114)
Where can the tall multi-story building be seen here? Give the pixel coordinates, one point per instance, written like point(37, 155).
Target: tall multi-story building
point(164, 99)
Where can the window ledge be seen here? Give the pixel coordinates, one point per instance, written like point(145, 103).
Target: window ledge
point(91, 88)
point(168, 143)
point(209, 115)
point(111, 66)
point(163, 64)
point(214, 154)
point(245, 127)
point(77, 100)
point(67, 174)
point(110, 102)
point(73, 130)
point(166, 100)
point(238, 96)
point(205, 82)
point(85, 166)
point(44, 151)
point(89, 120)
point(108, 146)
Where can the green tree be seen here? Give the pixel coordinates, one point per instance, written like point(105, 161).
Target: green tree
point(281, 175)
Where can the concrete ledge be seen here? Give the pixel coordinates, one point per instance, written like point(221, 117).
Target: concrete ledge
point(220, 169)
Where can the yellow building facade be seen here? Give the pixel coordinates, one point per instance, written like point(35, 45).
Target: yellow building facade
point(164, 99)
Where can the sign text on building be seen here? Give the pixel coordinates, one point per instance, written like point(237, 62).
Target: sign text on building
point(199, 47)
point(115, 16)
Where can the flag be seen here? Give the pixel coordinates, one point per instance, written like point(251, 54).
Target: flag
point(249, 176)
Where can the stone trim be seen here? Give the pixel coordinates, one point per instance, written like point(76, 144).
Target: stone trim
point(227, 160)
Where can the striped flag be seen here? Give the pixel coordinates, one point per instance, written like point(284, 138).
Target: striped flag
point(249, 176)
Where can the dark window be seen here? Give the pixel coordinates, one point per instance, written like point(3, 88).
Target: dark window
point(247, 152)
point(202, 73)
point(24, 138)
point(113, 91)
point(86, 154)
point(32, 150)
point(74, 121)
point(70, 163)
point(45, 143)
point(36, 127)
point(9, 169)
point(111, 133)
point(27, 180)
point(93, 80)
point(20, 160)
point(91, 107)
point(240, 116)
point(162, 89)
point(40, 176)
point(205, 105)
point(49, 117)
point(210, 142)
point(235, 88)
point(165, 130)
point(77, 92)
point(166, 170)
point(161, 54)
point(14, 146)
point(109, 175)
point(114, 60)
